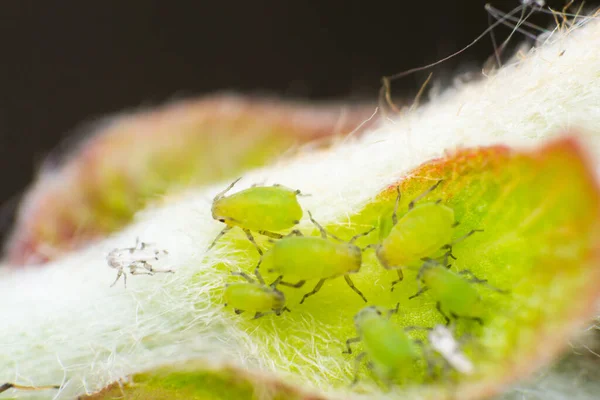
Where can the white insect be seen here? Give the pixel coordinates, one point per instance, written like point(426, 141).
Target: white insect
point(137, 259)
point(442, 341)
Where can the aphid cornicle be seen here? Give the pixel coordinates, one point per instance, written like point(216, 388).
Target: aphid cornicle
point(453, 292)
point(303, 258)
point(424, 230)
point(263, 209)
point(387, 346)
point(254, 296)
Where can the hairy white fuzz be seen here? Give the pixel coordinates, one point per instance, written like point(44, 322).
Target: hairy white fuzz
point(64, 323)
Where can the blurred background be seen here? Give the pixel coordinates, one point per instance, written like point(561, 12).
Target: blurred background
point(65, 64)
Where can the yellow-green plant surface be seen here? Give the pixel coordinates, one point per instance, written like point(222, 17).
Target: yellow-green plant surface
point(197, 381)
point(540, 215)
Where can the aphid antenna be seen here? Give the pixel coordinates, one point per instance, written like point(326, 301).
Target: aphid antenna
point(414, 201)
point(429, 263)
point(221, 194)
point(244, 275)
point(395, 213)
point(482, 282)
point(324, 233)
point(358, 236)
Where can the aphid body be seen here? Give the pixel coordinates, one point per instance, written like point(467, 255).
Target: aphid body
point(425, 230)
point(421, 232)
point(304, 258)
point(263, 209)
point(254, 297)
point(452, 291)
point(387, 346)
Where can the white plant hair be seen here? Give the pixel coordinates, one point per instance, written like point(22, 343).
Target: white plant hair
point(64, 323)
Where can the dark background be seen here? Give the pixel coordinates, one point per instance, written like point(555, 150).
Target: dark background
point(65, 63)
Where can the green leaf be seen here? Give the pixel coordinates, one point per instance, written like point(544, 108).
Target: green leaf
point(539, 212)
point(197, 381)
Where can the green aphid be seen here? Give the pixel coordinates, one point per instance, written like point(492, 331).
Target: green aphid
point(301, 258)
point(262, 209)
point(454, 293)
point(388, 348)
point(423, 231)
point(254, 296)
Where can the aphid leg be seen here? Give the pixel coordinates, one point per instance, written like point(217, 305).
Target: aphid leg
point(395, 213)
point(319, 227)
point(372, 246)
point(400, 278)
point(295, 232)
point(460, 239)
point(430, 363)
point(151, 269)
point(10, 385)
point(251, 239)
point(237, 311)
point(220, 195)
point(257, 272)
point(260, 314)
point(243, 275)
point(351, 284)
point(419, 292)
point(414, 201)
point(393, 311)
point(276, 282)
point(224, 231)
point(476, 319)
point(348, 342)
point(318, 287)
point(118, 276)
point(357, 362)
point(438, 306)
point(483, 282)
point(353, 238)
point(272, 235)
point(296, 285)
point(280, 310)
point(416, 328)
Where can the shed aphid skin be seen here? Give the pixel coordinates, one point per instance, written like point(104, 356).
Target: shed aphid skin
point(423, 231)
point(442, 341)
point(10, 385)
point(255, 296)
point(138, 259)
point(303, 258)
point(453, 292)
point(262, 209)
point(387, 346)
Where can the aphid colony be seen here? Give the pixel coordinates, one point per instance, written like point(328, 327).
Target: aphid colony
point(422, 236)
